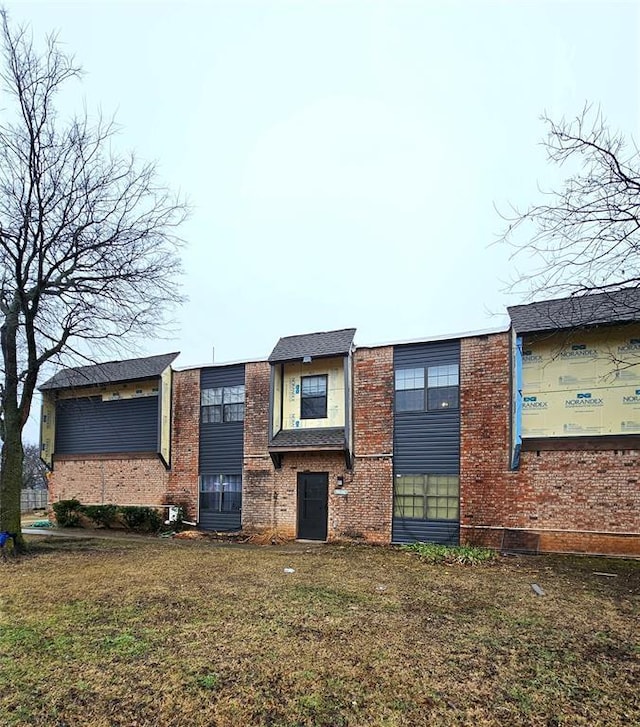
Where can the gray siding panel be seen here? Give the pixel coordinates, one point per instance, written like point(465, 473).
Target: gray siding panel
point(443, 532)
point(93, 426)
point(221, 445)
point(221, 448)
point(211, 378)
point(220, 520)
point(427, 442)
point(426, 354)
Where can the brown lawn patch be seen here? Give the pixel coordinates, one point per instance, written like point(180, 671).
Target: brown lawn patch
point(99, 632)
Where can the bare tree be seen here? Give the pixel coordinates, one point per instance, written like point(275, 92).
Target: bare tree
point(584, 238)
point(88, 239)
point(34, 470)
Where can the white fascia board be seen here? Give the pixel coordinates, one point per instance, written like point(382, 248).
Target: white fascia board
point(441, 337)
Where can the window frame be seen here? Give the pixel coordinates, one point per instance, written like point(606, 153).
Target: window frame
point(222, 404)
point(431, 491)
point(325, 396)
point(213, 486)
point(404, 378)
point(440, 389)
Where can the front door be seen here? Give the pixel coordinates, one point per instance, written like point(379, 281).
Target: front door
point(313, 493)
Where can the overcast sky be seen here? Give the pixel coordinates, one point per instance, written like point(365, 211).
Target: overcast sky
point(344, 159)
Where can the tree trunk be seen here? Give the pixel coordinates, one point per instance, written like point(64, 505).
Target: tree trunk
point(12, 454)
point(11, 476)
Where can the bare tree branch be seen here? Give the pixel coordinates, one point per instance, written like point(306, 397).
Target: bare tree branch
point(586, 237)
point(89, 243)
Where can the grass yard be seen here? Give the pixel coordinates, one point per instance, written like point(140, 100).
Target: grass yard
point(140, 632)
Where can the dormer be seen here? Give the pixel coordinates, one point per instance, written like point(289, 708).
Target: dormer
point(310, 397)
point(108, 408)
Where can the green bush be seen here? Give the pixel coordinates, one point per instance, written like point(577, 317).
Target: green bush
point(460, 554)
point(67, 513)
point(141, 519)
point(102, 515)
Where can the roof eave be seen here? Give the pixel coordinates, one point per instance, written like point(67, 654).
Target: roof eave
point(110, 382)
point(573, 327)
point(316, 357)
point(308, 448)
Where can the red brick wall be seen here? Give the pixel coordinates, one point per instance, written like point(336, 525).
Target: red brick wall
point(372, 508)
point(103, 479)
point(577, 501)
point(259, 496)
point(182, 487)
point(141, 479)
point(270, 495)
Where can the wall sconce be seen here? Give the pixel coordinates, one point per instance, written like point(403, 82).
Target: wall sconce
point(306, 360)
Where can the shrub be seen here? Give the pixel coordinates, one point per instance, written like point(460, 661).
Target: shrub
point(141, 519)
point(67, 513)
point(460, 554)
point(102, 515)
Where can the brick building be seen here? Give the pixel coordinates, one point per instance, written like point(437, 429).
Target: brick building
point(525, 439)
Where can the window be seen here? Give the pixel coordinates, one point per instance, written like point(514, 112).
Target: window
point(224, 404)
point(313, 401)
point(442, 382)
point(409, 389)
point(427, 497)
point(221, 493)
point(441, 391)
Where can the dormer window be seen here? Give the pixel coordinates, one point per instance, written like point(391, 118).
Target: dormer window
point(313, 397)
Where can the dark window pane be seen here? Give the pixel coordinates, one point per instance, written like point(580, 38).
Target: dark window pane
point(313, 400)
point(211, 414)
point(207, 500)
point(221, 493)
point(442, 397)
point(231, 501)
point(313, 407)
point(410, 400)
point(233, 412)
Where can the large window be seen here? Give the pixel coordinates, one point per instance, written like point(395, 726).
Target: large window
point(410, 389)
point(313, 399)
point(442, 387)
point(441, 391)
point(221, 493)
point(427, 497)
point(224, 404)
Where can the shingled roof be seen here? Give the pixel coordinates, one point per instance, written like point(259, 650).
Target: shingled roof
point(326, 437)
point(620, 306)
point(316, 345)
point(110, 372)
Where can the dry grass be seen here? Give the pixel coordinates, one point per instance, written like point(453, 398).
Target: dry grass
point(99, 632)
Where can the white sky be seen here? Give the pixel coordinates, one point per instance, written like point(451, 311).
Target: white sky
point(343, 159)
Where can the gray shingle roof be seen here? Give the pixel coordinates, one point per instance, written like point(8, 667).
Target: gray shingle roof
point(316, 345)
point(621, 306)
point(329, 437)
point(110, 372)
